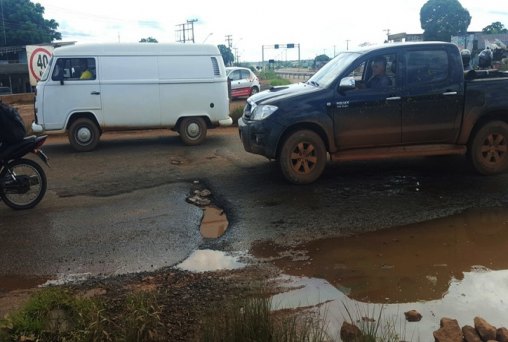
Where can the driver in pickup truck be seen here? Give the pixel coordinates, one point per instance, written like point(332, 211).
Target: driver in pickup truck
point(378, 79)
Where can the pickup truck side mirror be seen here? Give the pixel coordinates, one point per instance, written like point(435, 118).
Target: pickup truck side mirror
point(347, 83)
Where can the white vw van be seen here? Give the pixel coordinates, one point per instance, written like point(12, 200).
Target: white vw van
point(90, 89)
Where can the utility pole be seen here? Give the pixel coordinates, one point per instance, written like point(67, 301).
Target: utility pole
point(191, 22)
point(229, 40)
point(387, 34)
point(347, 44)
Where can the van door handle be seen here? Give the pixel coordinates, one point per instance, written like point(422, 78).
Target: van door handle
point(95, 93)
point(393, 98)
point(449, 93)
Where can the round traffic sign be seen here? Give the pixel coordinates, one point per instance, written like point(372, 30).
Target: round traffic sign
point(39, 60)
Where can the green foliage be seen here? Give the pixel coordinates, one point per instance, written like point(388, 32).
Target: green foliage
point(227, 55)
point(441, 19)
point(148, 40)
point(23, 24)
point(253, 320)
point(54, 314)
point(495, 28)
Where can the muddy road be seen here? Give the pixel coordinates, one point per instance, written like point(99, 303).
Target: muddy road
point(122, 208)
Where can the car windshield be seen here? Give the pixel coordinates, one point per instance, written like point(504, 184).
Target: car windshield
point(329, 72)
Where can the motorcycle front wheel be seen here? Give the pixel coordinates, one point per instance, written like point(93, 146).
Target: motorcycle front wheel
point(22, 184)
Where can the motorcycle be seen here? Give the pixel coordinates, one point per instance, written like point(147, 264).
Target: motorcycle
point(22, 181)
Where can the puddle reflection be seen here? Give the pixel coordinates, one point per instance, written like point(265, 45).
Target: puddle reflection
point(419, 262)
point(208, 260)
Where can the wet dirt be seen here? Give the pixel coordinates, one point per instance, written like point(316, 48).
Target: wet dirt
point(403, 264)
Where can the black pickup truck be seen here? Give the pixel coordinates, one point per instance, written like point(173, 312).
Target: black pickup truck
point(424, 105)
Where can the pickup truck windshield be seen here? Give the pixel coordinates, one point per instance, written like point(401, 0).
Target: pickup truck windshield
point(329, 72)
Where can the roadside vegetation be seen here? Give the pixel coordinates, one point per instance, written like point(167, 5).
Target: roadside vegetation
point(245, 314)
point(271, 78)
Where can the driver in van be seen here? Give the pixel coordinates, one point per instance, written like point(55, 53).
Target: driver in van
point(86, 74)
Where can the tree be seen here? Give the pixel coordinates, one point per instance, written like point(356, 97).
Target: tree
point(23, 24)
point(320, 60)
point(495, 28)
point(442, 19)
point(226, 53)
point(149, 40)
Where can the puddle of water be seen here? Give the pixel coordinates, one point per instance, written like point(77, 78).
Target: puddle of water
point(214, 223)
point(206, 260)
point(404, 264)
point(479, 293)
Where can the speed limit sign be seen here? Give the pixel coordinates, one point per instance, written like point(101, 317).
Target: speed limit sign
point(38, 59)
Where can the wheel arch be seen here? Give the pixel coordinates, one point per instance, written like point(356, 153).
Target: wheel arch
point(86, 115)
point(181, 118)
point(311, 126)
point(484, 119)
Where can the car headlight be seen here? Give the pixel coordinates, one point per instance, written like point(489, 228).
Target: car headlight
point(263, 111)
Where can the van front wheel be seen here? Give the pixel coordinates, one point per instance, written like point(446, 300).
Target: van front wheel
point(192, 130)
point(84, 135)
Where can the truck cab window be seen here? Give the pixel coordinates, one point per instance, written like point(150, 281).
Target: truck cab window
point(427, 66)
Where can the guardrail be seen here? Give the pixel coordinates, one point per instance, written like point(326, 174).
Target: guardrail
point(294, 74)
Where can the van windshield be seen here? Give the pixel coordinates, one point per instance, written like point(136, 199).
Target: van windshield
point(329, 72)
point(44, 76)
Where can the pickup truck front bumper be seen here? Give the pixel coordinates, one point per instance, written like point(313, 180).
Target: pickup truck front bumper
point(259, 137)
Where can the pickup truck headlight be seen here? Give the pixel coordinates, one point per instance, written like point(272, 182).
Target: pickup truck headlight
point(263, 111)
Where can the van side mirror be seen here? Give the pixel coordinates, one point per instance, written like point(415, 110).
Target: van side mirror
point(347, 83)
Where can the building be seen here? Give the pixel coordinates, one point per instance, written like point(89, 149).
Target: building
point(14, 67)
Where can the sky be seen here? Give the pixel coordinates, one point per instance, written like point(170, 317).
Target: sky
point(254, 27)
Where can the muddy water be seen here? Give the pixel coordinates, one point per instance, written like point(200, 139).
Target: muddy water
point(406, 264)
point(214, 223)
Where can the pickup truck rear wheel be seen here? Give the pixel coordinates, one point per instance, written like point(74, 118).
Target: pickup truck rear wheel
point(302, 158)
point(192, 130)
point(488, 151)
point(84, 135)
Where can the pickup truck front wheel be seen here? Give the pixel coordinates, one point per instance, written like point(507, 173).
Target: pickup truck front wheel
point(488, 151)
point(302, 158)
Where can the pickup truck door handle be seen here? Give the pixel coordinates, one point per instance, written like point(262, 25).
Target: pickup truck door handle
point(393, 98)
point(95, 93)
point(449, 93)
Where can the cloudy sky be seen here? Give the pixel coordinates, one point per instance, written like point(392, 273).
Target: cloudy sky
point(317, 26)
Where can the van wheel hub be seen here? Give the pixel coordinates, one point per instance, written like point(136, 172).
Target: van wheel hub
point(193, 130)
point(84, 134)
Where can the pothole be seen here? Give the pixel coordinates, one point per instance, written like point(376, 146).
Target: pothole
point(214, 222)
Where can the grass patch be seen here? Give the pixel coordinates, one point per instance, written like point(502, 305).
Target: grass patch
point(54, 314)
point(272, 78)
point(375, 326)
point(253, 320)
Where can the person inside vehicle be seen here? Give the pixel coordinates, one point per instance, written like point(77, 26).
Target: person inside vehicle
point(378, 79)
point(86, 74)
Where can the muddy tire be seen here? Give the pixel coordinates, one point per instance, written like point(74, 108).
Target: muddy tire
point(192, 130)
point(488, 150)
point(254, 91)
point(84, 135)
point(303, 157)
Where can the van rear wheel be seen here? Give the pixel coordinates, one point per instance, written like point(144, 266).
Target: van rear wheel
point(84, 135)
point(192, 130)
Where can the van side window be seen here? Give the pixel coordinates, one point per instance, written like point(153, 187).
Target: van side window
point(74, 69)
point(427, 66)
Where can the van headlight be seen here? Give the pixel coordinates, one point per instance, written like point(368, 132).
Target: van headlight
point(263, 111)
